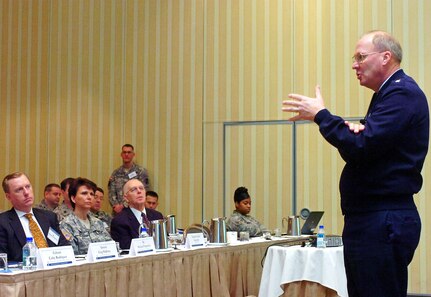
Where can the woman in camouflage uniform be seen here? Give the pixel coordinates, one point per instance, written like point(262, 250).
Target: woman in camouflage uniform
point(240, 220)
point(81, 228)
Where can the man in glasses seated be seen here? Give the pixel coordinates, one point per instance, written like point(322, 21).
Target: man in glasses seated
point(125, 225)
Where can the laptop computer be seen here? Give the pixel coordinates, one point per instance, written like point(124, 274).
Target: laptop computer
point(311, 222)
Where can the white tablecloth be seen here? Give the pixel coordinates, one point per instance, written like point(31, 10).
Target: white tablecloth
point(216, 271)
point(289, 264)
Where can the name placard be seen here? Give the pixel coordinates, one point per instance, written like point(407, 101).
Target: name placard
point(195, 240)
point(142, 246)
point(54, 257)
point(101, 251)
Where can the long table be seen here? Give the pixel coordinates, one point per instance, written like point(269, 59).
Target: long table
point(233, 270)
point(304, 272)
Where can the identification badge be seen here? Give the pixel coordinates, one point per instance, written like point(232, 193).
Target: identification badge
point(132, 174)
point(53, 236)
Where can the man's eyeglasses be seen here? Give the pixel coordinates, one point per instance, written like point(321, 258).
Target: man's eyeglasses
point(360, 58)
point(134, 189)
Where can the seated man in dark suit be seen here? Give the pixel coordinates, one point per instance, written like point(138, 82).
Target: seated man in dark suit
point(23, 221)
point(125, 225)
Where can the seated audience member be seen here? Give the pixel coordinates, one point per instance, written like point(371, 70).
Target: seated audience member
point(81, 228)
point(24, 221)
point(151, 200)
point(95, 208)
point(125, 225)
point(240, 220)
point(64, 209)
point(52, 194)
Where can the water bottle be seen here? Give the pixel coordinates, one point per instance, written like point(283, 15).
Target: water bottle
point(321, 240)
point(143, 233)
point(29, 255)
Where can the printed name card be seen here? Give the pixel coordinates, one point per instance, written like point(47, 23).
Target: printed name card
point(100, 251)
point(54, 257)
point(195, 240)
point(142, 246)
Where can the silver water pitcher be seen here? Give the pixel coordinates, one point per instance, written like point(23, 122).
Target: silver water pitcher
point(218, 230)
point(172, 226)
point(293, 226)
point(160, 237)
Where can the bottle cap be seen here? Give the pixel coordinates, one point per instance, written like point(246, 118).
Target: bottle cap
point(29, 239)
point(321, 227)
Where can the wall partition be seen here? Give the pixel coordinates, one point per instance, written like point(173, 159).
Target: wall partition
point(272, 159)
point(255, 158)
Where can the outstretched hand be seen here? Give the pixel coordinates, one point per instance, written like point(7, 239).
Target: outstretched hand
point(305, 107)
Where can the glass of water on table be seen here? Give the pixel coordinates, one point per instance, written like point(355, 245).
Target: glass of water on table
point(3, 263)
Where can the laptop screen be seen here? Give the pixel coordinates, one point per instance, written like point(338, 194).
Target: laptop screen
point(311, 222)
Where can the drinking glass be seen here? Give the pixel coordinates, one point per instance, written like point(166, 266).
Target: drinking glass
point(3, 263)
point(171, 238)
point(266, 234)
point(244, 236)
point(119, 250)
point(175, 239)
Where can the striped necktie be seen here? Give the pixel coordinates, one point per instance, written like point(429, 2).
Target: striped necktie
point(39, 239)
point(146, 222)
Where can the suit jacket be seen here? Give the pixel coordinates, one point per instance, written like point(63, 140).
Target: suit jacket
point(125, 226)
point(12, 235)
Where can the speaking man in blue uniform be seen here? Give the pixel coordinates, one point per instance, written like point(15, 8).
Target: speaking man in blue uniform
point(384, 155)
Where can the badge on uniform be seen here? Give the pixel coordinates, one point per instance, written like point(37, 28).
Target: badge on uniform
point(132, 174)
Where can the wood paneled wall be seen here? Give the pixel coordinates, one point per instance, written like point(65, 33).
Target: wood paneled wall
point(81, 77)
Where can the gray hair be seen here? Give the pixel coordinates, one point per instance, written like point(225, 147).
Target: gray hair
point(383, 41)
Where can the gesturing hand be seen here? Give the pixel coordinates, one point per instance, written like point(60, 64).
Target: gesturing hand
point(305, 107)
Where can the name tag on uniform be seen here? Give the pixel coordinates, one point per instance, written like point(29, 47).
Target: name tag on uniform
point(99, 251)
point(132, 174)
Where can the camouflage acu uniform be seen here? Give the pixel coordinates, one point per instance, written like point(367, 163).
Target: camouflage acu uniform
point(62, 211)
point(239, 222)
point(104, 217)
point(44, 206)
point(80, 236)
point(120, 176)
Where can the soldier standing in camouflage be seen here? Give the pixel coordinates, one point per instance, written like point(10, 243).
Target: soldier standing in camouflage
point(121, 175)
